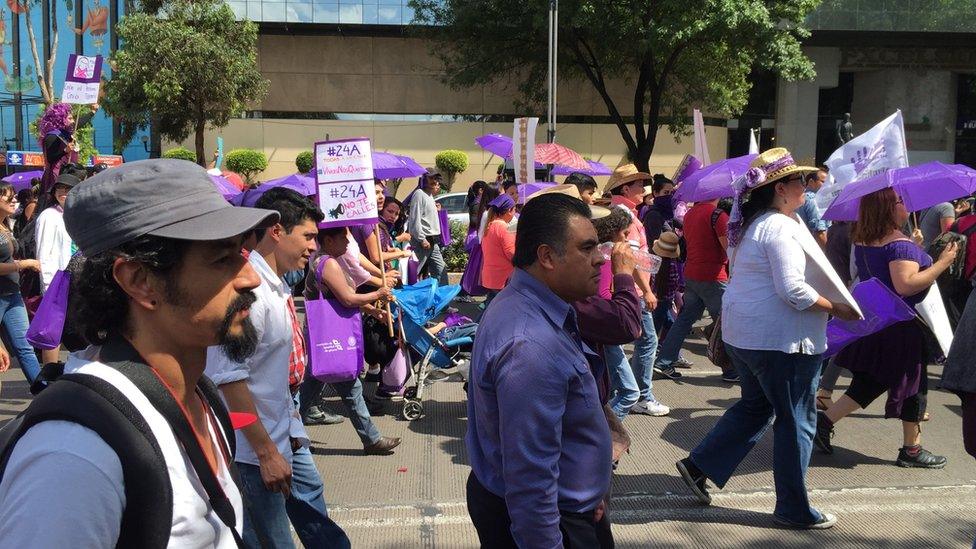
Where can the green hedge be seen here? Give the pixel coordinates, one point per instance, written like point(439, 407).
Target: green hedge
point(247, 162)
point(304, 161)
point(181, 153)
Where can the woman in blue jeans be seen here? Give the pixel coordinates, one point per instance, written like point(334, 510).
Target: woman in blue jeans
point(774, 328)
point(327, 277)
point(13, 313)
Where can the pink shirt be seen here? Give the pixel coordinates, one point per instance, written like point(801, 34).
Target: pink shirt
point(635, 233)
point(497, 250)
point(349, 262)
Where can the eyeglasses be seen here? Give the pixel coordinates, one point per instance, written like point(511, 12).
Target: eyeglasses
point(900, 200)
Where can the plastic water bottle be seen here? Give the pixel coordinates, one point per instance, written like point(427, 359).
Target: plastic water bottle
point(646, 262)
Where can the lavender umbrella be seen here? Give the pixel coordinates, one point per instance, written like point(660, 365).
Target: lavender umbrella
point(297, 182)
point(919, 187)
point(395, 166)
point(596, 168)
point(225, 187)
point(526, 190)
point(713, 181)
point(22, 180)
point(495, 143)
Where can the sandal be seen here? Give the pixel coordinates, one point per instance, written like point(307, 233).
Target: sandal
point(824, 402)
point(926, 416)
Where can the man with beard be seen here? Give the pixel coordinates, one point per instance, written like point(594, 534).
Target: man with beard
point(278, 477)
point(163, 280)
point(537, 436)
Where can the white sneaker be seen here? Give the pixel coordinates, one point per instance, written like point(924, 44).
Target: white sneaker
point(650, 408)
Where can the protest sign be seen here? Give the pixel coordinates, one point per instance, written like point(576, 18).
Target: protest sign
point(933, 312)
point(83, 79)
point(110, 160)
point(875, 151)
point(820, 274)
point(344, 181)
point(523, 149)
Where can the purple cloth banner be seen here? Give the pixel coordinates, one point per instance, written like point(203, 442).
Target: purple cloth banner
point(445, 227)
point(881, 307)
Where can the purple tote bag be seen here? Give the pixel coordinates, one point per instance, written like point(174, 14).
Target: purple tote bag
point(48, 324)
point(335, 337)
point(471, 279)
point(395, 374)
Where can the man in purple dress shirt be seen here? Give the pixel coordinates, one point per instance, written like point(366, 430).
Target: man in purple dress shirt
point(537, 437)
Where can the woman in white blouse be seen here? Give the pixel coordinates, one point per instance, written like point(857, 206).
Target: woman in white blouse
point(774, 328)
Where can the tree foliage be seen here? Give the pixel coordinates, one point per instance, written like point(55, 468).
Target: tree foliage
point(450, 163)
point(304, 161)
point(181, 153)
point(247, 162)
point(671, 54)
point(195, 67)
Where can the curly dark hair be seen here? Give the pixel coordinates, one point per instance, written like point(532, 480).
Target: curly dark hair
point(608, 227)
point(98, 307)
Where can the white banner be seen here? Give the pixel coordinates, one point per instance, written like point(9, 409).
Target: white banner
point(523, 149)
point(875, 151)
point(701, 146)
point(753, 144)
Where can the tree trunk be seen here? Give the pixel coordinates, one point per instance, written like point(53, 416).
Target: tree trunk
point(46, 92)
point(201, 154)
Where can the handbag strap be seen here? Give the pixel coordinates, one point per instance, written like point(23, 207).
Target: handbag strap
point(164, 402)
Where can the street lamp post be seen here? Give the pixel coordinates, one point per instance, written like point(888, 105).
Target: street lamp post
point(553, 58)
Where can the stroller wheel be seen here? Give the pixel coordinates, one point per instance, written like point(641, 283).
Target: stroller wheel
point(412, 410)
point(410, 393)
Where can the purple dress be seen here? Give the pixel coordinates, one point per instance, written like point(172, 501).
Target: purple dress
point(896, 355)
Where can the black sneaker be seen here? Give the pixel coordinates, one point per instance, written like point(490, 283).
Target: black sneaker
point(695, 480)
point(667, 371)
point(730, 377)
point(923, 460)
point(825, 430)
point(826, 521)
point(317, 416)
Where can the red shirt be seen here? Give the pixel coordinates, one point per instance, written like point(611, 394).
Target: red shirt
point(706, 257)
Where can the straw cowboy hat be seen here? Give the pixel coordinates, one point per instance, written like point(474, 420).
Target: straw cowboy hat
point(774, 164)
point(565, 188)
point(599, 212)
point(667, 245)
point(623, 174)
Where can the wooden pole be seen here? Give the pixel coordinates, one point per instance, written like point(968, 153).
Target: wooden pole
point(389, 312)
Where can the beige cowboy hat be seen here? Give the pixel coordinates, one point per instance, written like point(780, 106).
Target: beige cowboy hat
point(598, 212)
point(565, 188)
point(667, 245)
point(623, 174)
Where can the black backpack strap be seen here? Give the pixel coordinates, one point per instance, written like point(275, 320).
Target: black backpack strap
point(161, 398)
point(716, 213)
point(98, 405)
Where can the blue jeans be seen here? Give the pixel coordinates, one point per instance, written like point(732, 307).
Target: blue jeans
point(663, 317)
point(776, 387)
point(13, 314)
point(351, 393)
point(623, 385)
point(698, 297)
point(267, 514)
point(644, 350)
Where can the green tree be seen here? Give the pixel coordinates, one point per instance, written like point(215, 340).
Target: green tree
point(181, 153)
point(304, 162)
point(247, 162)
point(84, 136)
point(195, 67)
point(671, 55)
point(450, 163)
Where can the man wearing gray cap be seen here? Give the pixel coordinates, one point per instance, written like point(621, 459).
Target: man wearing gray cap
point(164, 278)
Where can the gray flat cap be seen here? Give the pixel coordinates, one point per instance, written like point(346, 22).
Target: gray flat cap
point(162, 197)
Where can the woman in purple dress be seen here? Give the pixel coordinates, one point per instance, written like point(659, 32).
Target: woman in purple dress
point(893, 359)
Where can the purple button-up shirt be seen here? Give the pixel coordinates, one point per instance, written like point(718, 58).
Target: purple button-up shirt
point(537, 435)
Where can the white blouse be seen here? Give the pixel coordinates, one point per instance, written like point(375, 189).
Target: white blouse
point(765, 306)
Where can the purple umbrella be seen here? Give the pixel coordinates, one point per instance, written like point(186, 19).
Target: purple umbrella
point(713, 181)
point(526, 190)
point(297, 182)
point(22, 180)
point(395, 166)
point(225, 187)
point(495, 143)
point(596, 168)
point(919, 187)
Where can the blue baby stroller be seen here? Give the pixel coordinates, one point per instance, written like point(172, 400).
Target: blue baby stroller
point(416, 305)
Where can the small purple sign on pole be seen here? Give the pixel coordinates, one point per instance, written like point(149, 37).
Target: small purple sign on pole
point(344, 182)
point(82, 82)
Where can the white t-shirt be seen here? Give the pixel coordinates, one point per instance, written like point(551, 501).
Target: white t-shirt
point(63, 485)
point(54, 247)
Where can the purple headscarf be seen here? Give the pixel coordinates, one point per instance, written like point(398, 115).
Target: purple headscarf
point(54, 120)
